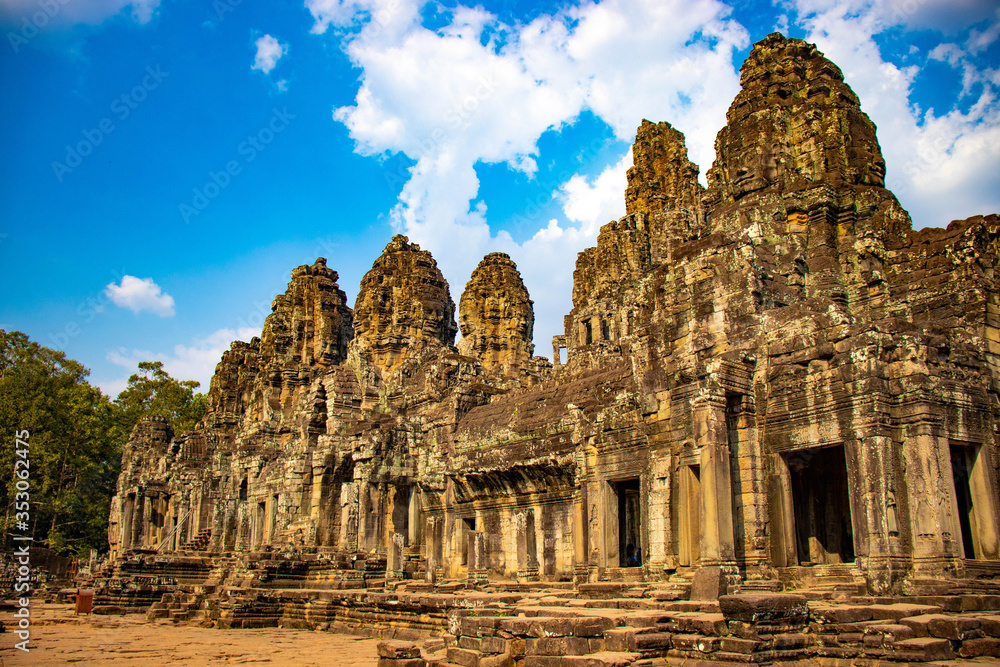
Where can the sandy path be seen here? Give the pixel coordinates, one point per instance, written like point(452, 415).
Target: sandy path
point(59, 638)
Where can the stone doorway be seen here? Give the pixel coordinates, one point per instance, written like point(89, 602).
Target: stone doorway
point(629, 519)
point(975, 502)
point(822, 505)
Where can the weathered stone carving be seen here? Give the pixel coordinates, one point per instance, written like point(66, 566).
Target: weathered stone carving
point(496, 315)
point(403, 307)
point(770, 380)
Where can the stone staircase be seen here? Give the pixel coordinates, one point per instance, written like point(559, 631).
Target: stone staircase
point(752, 628)
point(199, 542)
point(824, 582)
point(202, 604)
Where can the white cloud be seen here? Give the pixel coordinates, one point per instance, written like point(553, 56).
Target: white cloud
point(458, 96)
point(62, 14)
point(269, 52)
point(139, 294)
point(942, 164)
point(187, 362)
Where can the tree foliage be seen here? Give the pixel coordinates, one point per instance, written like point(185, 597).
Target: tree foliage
point(76, 438)
point(152, 391)
point(74, 451)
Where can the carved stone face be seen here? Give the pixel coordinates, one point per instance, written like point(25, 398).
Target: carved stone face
point(755, 170)
point(864, 156)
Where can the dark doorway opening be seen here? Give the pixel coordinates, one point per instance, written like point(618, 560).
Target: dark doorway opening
point(960, 470)
point(821, 497)
point(629, 539)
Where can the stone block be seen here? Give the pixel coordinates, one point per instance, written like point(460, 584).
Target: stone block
point(463, 657)
point(394, 649)
point(696, 643)
point(983, 646)
point(592, 627)
point(901, 610)
point(990, 625)
point(708, 584)
point(764, 607)
point(402, 662)
point(620, 639)
point(648, 641)
point(922, 649)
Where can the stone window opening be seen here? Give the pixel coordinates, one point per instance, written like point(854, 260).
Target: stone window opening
point(243, 490)
point(605, 330)
point(588, 333)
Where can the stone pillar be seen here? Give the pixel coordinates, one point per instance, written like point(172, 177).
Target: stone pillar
point(937, 536)
point(349, 517)
point(872, 469)
point(125, 530)
point(477, 561)
point(146, 529)
point(527, 551)
point(983, 486)
point(580, 534)
point(659, 554)
point(396, 557)
point(413, 520)
point(711, 435)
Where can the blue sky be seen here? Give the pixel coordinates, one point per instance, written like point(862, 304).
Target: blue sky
point(168, 162)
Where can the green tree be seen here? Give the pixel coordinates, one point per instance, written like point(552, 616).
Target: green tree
point(74, 445)
point(152, 391)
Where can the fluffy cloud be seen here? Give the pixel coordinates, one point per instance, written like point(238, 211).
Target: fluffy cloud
point(64, 13)
point(943, 164)
point(269, 52)
point(139, 294)
point(479, 91)
point(187, 362)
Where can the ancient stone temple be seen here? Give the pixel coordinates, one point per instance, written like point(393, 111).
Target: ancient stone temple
point(768, 382)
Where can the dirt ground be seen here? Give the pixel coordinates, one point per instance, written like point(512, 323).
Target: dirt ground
point(58, 638)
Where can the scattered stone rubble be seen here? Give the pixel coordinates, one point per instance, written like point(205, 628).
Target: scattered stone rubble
point(769, 384)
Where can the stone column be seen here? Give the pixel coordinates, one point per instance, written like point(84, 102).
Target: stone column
point(659, 554)
point(396, 557)
point(580, 534)
point(146, 530)
point(477, 561)
point(711, 434)
point(872, 469)
point(937, 536)
point(413, 521)
point(349, 517)
point(128, 515)
point(527, 552)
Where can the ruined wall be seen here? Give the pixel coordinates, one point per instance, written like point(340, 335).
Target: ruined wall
point(772, 374)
